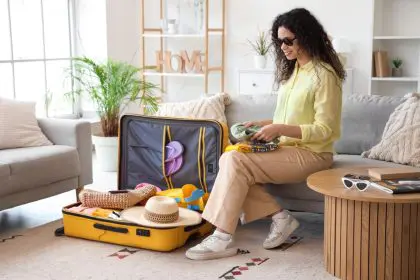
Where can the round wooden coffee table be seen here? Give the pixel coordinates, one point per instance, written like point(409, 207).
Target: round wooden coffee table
point(371, 234)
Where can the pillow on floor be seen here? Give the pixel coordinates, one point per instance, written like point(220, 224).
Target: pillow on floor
point(18, 125)
point(400, 141)
point(212, 107)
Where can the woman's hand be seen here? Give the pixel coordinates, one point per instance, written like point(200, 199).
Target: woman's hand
point(251, 123)
point(257, 123)
point(268, 132)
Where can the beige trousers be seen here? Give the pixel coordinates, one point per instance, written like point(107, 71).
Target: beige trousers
point(238, 189)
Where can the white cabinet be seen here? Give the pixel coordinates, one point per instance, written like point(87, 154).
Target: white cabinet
point(254, 81)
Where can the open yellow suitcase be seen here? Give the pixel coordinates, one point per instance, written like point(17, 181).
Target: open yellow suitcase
point(142, 141)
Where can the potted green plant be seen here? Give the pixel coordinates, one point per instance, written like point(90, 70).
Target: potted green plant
point(261, 47)
point(396, 67)
point(111, 85)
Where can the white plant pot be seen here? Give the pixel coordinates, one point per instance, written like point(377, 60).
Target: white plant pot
point(260, 61)
point(106, 152)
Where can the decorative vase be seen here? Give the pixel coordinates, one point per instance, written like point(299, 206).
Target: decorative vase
point(107, 152)
point(172, 26)
point(199, 15)
point(396, 72)
point(260, 61)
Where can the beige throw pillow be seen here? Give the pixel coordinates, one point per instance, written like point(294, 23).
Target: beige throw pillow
point(212, 107)
point(400, 141)
point(18, 125)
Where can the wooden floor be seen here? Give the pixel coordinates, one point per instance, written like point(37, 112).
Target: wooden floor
point(49, 209)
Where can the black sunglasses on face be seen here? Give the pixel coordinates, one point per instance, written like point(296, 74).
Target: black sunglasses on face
point(359, 181)
point(286, 41)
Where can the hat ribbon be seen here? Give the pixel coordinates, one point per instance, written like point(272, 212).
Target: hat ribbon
point(161, 218)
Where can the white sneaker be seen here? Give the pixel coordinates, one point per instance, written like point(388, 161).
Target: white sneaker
point(280, 230)
point(212, 247)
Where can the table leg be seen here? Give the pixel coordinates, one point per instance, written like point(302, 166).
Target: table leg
point(364, 240)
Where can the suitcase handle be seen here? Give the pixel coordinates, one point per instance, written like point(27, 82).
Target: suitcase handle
point(118, 191)
point(110, 228)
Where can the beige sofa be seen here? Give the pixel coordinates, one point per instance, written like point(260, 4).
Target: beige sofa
point(363, 120)
point(30, 174)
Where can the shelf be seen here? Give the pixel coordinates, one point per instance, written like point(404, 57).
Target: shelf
point(150, 34)
point(396, 37)
point(164, 36)
point(396, 79)
point(174, 74)
point(173, 35)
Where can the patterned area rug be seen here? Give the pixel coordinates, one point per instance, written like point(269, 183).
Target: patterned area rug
point(38, 254)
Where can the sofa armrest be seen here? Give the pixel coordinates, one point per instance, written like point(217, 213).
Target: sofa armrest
point(75, 133)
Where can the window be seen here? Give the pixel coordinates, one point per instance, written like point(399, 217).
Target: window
point(36, 52)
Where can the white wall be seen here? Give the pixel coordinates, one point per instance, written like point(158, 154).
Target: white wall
point(123, 20)
point(123, 30)
point(350, 19)
point(90, 29)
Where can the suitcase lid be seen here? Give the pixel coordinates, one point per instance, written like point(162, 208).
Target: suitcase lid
point(145, 152)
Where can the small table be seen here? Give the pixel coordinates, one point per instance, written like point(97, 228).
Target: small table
point(371, 234)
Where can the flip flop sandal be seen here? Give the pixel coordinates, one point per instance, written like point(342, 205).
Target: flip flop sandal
point(174, 165)
point(170, 152)
point(173, 150)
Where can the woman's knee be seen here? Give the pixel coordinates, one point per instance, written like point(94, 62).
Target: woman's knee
point(231, 159)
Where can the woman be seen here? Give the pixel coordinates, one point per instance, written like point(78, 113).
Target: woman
point(307, 120)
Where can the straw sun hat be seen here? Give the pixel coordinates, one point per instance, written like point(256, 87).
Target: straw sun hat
point(161, 212)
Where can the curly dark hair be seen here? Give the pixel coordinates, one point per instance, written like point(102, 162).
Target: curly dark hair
point(311, 36)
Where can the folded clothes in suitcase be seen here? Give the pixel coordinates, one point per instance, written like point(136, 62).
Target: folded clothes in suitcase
point(178, 156)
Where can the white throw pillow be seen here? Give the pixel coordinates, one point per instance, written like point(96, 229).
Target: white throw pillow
point(18, 125)
point(400, 141)
point(212, 107)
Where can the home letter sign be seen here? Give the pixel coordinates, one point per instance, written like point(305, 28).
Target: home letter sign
point(185, 64)
point(194, 64)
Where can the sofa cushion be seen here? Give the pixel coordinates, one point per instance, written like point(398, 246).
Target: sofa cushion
point(299, 191)
point(4, 176)
point(400, 142)
point(251, 108)
point(18, 125)
point(212, 107)
point(36, 166)
point(363, 120)
point(343, 161)
point(363, 117)
point(4, 170)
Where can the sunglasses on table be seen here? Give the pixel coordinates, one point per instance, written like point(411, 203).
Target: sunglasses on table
point(286, 41)
point(361, 182)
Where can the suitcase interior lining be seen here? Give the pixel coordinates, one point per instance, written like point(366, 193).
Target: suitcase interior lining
point(141, 143)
